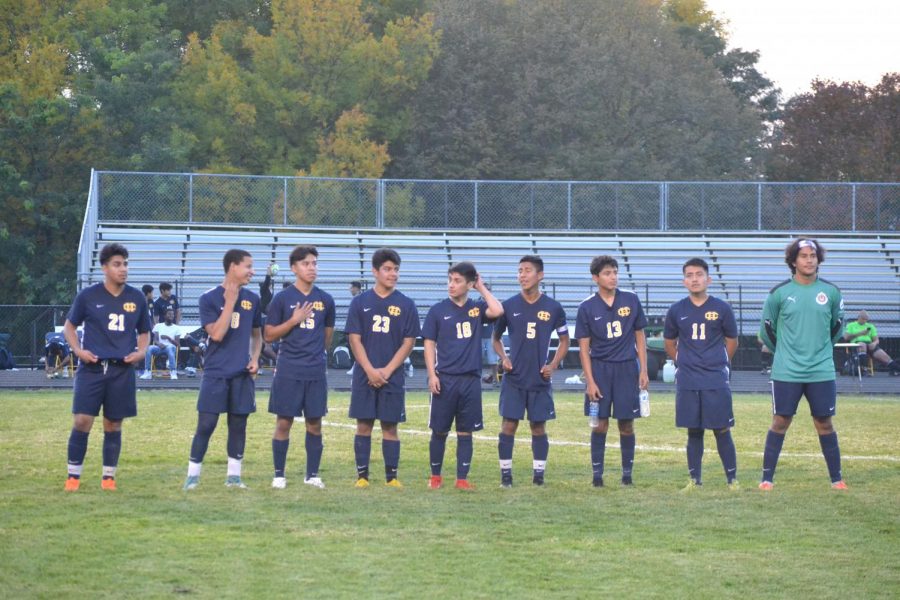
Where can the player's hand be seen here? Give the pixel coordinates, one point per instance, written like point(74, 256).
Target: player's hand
point(434, 384)
point(592, 391)
point(643, 380)
point(479, 282)
point(376, 378)
point(86, 356)
point(133, 358)
point(253, 367)
point(231, 293)
point(547, 371)
point(506, 364)
point(302, 313)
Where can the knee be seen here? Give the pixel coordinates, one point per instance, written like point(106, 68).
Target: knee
point(720, 432)
point(627, 427)
point(780, 424)
point(695, 433)
point(83, 423)
point(509, 427)
point(823, 425)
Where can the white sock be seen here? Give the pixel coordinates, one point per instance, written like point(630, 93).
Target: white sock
point(75, 470)
point(506, 464)
point(234, 467)
point(539, 465)
point(194, 469)
point(109, 471)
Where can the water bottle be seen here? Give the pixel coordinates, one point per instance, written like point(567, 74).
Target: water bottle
point(645, 403)
point(594, 414)
point(669, 371)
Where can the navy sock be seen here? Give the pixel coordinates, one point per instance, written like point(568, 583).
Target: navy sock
point(436, 448)
point(598, 452)
point(314, 446)
point(464, 453)
point(78, 443)
point(206, 425)
point(774, 442)
point(832, 453)
point(540, 449)
point(505, 450)
point(390, 449)
point(279, 455)
point(112, 447)
point(728, 454)
point(695, 454)
point(626, 443)
point(362, 448)
point(237, 436)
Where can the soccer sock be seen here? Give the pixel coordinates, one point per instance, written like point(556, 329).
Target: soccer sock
point(194, 468)
point(540, 448)
point(695, 454)
point(314, 447)
point(728, 454)
point(78, 443)
point(112, 447)
point(237, 435)
point(598, 452)
point(505, 450)
point(206, 425)
point(362, 448)
point(626, 443)
point(234, 467)
point(279, 455)
point(464, 453)
point(436, 448)
point(774, 442)
point(390, 449)
point(832, 453)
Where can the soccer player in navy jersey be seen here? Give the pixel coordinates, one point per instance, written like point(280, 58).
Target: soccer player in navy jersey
point(613, 351)
point(701, 337)
point(302, 317)
point(452, 334)
point(382, 326)
point(531, 317)
point(230, 315)
point(111, 312)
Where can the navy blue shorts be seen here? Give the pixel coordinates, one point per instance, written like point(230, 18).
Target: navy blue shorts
point(515, 400)
point(234, 395)
point(704, 409)
point(368, 403)
point(306, 398)
point(113, 390)
point(618, 383)
point(460, 399)
point(821, 395)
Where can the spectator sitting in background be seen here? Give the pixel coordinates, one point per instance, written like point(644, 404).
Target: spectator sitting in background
point(166, 301)
point(57, 355)
point(167, 341)
point(197, 343)
point(865, 333)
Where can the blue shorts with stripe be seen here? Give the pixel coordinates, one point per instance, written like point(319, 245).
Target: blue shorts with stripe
point(368, 403)
point(821, 395)
point(303, 398)
point(459, 400)
point(514, 401)
point(232, 395)
point(704, 409)
point(112, 388)
point(618, 383)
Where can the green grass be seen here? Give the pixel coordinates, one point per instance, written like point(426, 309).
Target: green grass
point(565, 540)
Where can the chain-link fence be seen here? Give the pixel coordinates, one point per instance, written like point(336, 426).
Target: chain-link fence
point(509, 205)
point(23, 327)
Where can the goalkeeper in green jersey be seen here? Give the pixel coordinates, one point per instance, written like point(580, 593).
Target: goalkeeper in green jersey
point(865, 334)
point(802, 318)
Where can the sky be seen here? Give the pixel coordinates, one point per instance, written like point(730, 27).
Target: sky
point(799, 40)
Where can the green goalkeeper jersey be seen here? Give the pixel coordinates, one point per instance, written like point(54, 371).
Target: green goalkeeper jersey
point(854, 327)
point(800, 325)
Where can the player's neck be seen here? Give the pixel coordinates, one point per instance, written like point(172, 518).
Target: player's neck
point(805, 279)
point(460, 300)
point(699, 299)
point(383, 291)
point(112, 287)
point(236, 282)
point(304, 287)
point(607, 295)
point(531, 296)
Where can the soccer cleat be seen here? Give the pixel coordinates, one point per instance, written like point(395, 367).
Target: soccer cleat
point(839, 485)
point(234, 481)
point(538, 480)
point(436, 482)
point(463, 484)
point(362, 483)
point(173, 375)
point(108, 484)
point(506, 483)
point(147, 375)
point(72, 484)
point(691, 486)
point(766, 486)
point(191, 482)
point(597, 482)
point(315, 482)
point(279, 483)
point(394, 483)
point(734, 486)
point(626, 480)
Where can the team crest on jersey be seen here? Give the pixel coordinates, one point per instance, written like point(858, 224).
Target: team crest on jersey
point(246, 304)
point(543, 315)
point(474, 312)
point(624, 311)
point(129, 307)
point(394, 311)
point(821, 298)
point(318, 305)
point(711, 315)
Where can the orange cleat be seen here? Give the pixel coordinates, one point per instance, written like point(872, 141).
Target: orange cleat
point(839, 485)
point(463, 484)
point(108, 484)
point(436, 482)
point(72, 484)
point(766, 486)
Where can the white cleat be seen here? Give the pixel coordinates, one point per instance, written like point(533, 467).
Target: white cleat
point(173, 375)
point(315, 482)
point(279, 483)
point(147, 375)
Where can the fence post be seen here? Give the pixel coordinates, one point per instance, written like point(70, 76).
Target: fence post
point(569, 205)
point(663, 193)
point(284, 201)
point(853, 207)
point(476, 205)
point(759, 207)
point(191, 198)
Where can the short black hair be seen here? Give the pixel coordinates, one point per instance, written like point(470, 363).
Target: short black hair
point(147, 289)
point(601, 262)
point(165, 286)
point(537, 261)
point(234, 257)
point(111, 250)
point(792, 251)
point(356, 284)
point(301, 252)
point(466, 269)
point(695, 262)
point(383, 255)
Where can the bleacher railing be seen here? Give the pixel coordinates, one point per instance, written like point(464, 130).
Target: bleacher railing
point(493, 205)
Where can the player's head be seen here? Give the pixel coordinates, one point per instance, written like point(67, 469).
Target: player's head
point(386, 269)
point(114, 262)
point(531, 271)
point(238, 265)
point(165, 289)
point(305, 263)
point(355, 288)
point(148, 290)
point(461, 277)
point(862, 317)
point(605, 272)
point(696, 275)
point(301, 252)
point(383, 255)
point(603, 262)
point(169, 316)
point(804, 255)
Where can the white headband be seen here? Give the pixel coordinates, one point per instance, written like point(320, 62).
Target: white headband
point(807, 244)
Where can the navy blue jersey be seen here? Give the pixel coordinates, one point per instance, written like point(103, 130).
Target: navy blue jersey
point(111, 323)
point(530, 327)
point(382, 324)
point(161, 305)
point(457, 332)
point(301, 354)
point(611, 328)
point(701, 332)
point(229, 357)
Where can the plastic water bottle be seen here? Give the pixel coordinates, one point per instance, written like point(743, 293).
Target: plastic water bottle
point(594, 414)
point(645, 403)
point(669, 371)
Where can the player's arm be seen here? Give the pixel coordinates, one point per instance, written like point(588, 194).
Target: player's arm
point(494, 308)
point(584, 355)
point(837, 316)
point(71, 335)
point(640, 342)
point(329, 333)
point(731, 346)
point(671, 347)
point(218, 328)
point(300, 314)
point(143, 341)
point(255, 349)
point(497, 343)
point(768, 329)
point(434, 384)
point(561, 350)
point(362, 359)
point(399, 356)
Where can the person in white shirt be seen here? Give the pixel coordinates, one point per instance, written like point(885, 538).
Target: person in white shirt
point(167, 341)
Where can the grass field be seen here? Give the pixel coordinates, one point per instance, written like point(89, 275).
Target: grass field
point(566, 540)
